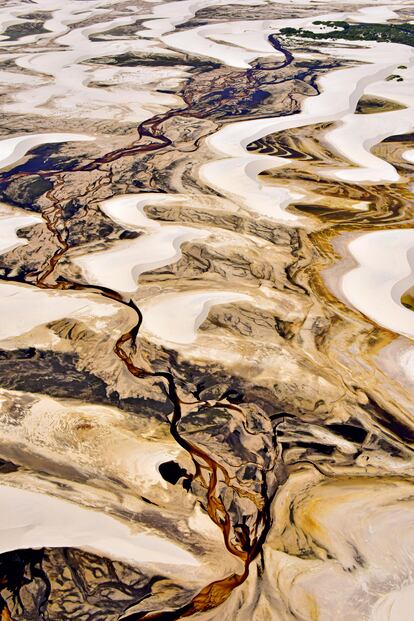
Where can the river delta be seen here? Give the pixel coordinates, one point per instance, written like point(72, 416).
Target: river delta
point(207, 310)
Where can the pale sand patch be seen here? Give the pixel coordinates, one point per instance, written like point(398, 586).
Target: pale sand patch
point(20, 79)
point(101, 442)
point(119, 267)
point(166, 16)
point(395, 606)
point(397, 360)
point(340, 92)
point(13, 149)
point(384, 273)
point(357, 133)
point(409, 156)
point(176, 317)
point(27, 307)
point(61, 16)
point(354, 138)
point(128, 99)
point(238, 43)
point(374, 14)
point(358, 538)
point(344, 520)
point(127, 210)
point(11, 221)
point(34, 520)
point(244, 43)
point(237, 178)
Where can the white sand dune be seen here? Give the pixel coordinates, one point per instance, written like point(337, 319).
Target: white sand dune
point(165, 16)
point(409, 156)
point(119, 267)
point(176, 317)
point(385, 271)
point(238, 43)
point(61, 15)
point(395, 606)
point(340, 92)
point(237, 179)
point(13, 149)
point(10, 223)
point(34, 520)
point(374, 14)
point(27, 307)
point(19, 79)
point(128, 98)
point(241, 43)
point(127, 210)
point(73, 91)
point(357, 133)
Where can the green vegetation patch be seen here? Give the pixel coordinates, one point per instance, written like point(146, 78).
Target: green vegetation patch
point(390, 33)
